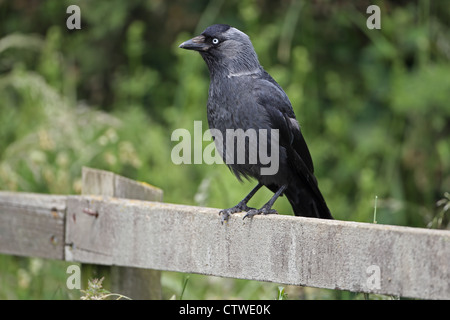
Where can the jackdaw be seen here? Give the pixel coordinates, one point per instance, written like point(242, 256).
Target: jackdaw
point(242, 95)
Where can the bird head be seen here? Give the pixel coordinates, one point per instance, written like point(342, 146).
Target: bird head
point(224, 49)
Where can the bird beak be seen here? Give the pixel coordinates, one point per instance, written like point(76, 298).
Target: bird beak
point(197, 44)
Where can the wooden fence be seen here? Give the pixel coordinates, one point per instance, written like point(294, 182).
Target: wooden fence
point(122, 223)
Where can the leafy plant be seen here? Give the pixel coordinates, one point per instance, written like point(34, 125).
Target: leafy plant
point(95, 291)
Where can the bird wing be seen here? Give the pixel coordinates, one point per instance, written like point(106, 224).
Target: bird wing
point(281, 116)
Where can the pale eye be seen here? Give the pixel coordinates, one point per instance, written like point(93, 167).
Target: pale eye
point(215, 41)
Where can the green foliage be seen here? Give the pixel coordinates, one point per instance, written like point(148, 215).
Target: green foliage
point(34, 278)
point(373, 104)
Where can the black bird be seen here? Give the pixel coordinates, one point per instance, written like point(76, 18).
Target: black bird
point(242, 95)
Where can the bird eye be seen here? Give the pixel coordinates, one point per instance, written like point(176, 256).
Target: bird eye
point(215, 41)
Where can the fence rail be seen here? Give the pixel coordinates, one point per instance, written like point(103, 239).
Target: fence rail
point(106, 230)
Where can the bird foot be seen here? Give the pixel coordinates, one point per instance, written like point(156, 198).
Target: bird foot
point(264, 210)
point(226, 213)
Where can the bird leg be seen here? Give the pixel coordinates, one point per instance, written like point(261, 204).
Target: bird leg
point(241, 206)
point(267, 208)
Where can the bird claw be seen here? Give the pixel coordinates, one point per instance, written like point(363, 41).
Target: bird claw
point(242, 207)
point(253, 212)
point(224, 216)
point(226, 213)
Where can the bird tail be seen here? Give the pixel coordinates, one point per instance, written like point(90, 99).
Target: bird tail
point(306, 202)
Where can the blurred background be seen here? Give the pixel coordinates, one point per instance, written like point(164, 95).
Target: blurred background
point(373, 106)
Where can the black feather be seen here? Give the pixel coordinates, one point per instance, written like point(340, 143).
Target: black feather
point(242, 95)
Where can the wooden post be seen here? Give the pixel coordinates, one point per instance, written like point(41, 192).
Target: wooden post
point(135, 283)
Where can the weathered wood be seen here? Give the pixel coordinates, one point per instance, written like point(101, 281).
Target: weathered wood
point(105, 183)
point(360, 257)
point(132, 282)
point(32, 224)
point(139, 235)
